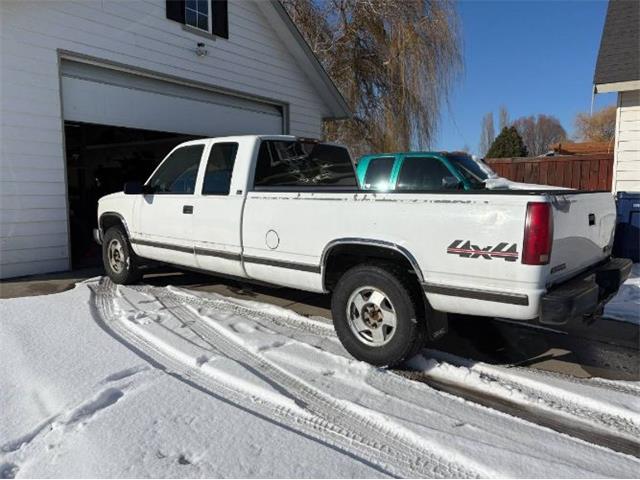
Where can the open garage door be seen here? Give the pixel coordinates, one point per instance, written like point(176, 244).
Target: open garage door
point(103, 96)
point(118, 126)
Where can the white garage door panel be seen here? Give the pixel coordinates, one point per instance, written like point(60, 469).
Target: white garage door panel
point(86, 101)
point(99, 95)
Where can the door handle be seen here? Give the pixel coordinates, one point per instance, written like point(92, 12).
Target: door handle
point(188, 209)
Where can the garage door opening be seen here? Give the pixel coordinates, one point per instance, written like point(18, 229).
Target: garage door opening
point(100, 159)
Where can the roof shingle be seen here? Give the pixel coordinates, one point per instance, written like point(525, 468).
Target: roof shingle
point(619, 54)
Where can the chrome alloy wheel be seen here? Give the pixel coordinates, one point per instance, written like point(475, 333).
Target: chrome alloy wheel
point(371, 315)
point(115, 254)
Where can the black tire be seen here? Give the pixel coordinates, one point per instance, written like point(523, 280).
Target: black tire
point(129, 271)
point(409, 336)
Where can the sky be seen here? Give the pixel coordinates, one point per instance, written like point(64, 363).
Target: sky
point(530, 56)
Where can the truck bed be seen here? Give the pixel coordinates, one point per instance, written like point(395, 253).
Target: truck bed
point(428, 225)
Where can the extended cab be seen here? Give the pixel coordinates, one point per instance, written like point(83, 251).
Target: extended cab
point(289, 212)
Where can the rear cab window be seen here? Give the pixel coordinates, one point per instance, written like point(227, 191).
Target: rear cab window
point(217, 175)
point(296, 163)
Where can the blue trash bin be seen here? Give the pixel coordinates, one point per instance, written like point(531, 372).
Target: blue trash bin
point(627, 240)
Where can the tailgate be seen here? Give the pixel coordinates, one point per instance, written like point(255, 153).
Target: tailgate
point(583, 228)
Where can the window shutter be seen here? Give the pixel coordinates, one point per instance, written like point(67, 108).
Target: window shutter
point(175, 10)
point(220, 23)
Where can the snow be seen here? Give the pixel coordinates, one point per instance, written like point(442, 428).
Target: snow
point(77, 403)
point(625, 306)
point(615, 408)
point(112, 381)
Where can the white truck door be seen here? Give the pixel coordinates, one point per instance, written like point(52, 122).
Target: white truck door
point(163, 226)
point(218, 212)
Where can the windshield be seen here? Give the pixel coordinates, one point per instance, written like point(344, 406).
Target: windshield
point(469, 169)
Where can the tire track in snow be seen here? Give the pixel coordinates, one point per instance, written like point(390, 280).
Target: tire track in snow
point(627, 388)
point(323, 418)
point(532, 389)
point(593, 419)
point(389, 440)
point(109, 321)
point(293, 322)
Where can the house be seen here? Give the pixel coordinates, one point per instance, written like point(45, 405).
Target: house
point(618, 70)
point(96, 93)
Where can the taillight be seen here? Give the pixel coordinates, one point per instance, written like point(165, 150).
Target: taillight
point(538, 234)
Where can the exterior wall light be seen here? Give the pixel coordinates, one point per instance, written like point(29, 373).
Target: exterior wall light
point(201, 51)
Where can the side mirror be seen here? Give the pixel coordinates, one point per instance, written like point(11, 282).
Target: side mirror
point(133, 188)
point(451, 183)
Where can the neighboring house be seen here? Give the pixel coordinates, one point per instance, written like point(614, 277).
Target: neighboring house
point(618, 70)
point(96, 93)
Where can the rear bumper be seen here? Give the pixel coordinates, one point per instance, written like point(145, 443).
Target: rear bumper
point(584, 295)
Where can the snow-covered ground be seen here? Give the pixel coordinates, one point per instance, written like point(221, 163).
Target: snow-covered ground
point(113, 381)
point(625, 306)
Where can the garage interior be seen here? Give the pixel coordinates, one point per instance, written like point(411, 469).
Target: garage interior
point(100, 159)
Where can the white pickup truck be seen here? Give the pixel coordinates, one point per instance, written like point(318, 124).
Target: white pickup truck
point(289, 212)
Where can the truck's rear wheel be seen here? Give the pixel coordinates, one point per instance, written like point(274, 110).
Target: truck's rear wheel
point(375, 315)
point(120, 263)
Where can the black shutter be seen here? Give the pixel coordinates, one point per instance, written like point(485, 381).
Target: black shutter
point(220, 22)
point(175, 10)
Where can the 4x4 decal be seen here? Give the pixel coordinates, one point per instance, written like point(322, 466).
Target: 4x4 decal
point(467, 250)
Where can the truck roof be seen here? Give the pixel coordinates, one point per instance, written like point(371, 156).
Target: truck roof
point(249, 137)
point(416, 153)
point(239, 138)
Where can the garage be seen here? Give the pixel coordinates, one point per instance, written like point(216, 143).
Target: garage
point(118, 126)
point(95, 93)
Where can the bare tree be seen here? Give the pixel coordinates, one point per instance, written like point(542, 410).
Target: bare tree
point(503, 118)
point(538, 133)
point(487, 134)
point(394, 63)
point(599, 127)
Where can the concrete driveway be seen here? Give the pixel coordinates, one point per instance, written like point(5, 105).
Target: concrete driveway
point(607, 348)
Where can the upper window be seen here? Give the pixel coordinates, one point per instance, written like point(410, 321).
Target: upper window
point(424, 173)
point(303, 164)
point(210, 16)
point(197, 14)
point(178, 172)
point(378, 173)
point(217, 176)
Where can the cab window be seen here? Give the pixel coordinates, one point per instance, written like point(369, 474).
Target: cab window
point(378, 173)
point(178, 172)
point(423, 173)
point(217, 176)
point(470, 170)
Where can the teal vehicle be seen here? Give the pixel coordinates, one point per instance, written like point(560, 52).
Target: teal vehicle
point(421, 171)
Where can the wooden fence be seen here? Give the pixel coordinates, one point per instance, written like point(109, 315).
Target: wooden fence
point(582, 172)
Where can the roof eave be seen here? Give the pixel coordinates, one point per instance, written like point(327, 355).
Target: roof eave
point(617, 86)
point(301, 51)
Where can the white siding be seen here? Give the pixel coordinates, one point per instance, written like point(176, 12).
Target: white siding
point(626, 175)
point(33, 216)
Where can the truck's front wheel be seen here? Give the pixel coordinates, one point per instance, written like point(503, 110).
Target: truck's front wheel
point(120, 263)
point(375, 315)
